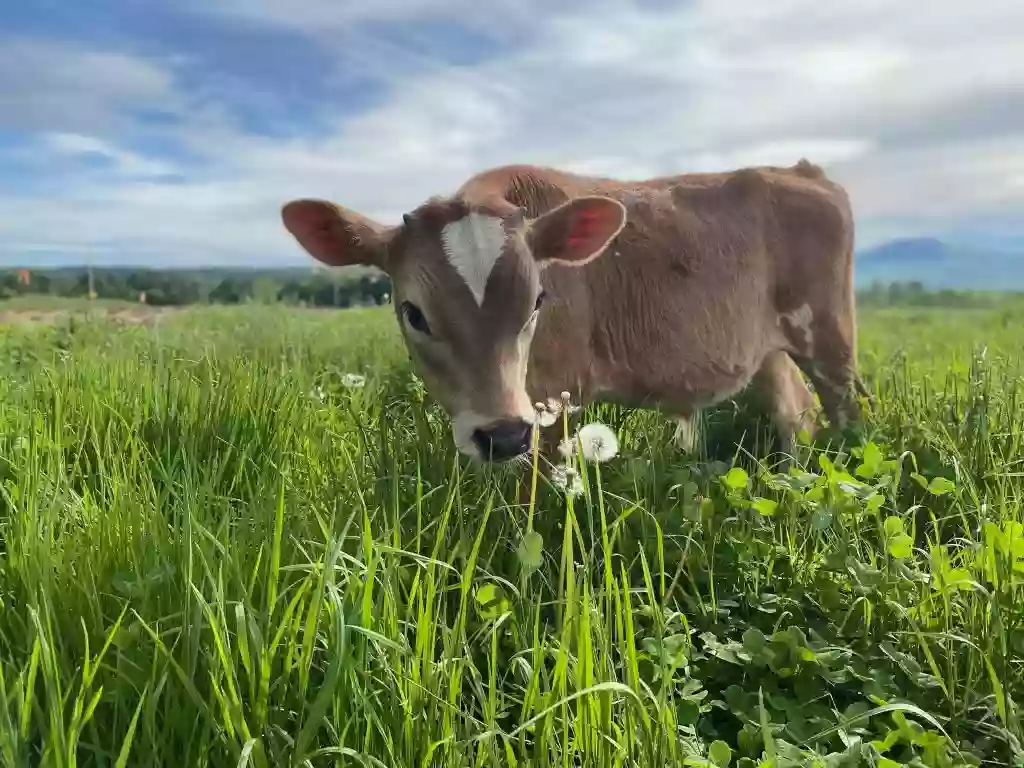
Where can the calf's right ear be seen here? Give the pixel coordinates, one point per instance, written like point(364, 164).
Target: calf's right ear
point(336, 236)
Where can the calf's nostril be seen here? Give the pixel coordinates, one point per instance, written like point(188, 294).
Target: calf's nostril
point(482, 440)
point(503, 439)
point(521, 436)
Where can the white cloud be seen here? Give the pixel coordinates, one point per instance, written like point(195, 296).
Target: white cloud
point(963, 178)
point(328, 17)
point(824, 152)
point(124, 163)
point(55, 86)
point(920, 114)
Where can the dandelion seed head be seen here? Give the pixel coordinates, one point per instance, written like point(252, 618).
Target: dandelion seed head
point(567, 447)
point(566, 480)
point(598, 442)
point(575, 486)
point(547, 413)
point(564, 404)
point(546, 418)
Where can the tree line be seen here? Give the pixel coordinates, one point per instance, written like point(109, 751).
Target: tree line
point(916, 294)
point(352, 286)
point(172, 287)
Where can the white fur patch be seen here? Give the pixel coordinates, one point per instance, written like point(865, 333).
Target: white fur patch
point(686, 434)
point(472, 245)
point(800, 319)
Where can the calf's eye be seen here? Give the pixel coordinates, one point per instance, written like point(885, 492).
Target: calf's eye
point(540, 300)
point(414, 316)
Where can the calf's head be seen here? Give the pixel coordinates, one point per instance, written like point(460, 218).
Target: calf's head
point(467, 291)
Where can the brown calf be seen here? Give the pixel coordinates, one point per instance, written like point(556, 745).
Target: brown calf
point(673, 292)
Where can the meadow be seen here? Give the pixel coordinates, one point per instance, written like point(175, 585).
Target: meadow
point(218, 547)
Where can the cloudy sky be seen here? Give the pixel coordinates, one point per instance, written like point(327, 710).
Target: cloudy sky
point(169, 132)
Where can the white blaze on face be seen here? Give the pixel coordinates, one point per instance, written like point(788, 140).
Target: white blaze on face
point(472, 245)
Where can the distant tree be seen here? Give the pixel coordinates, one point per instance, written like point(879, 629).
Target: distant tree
point(264, 290)
point(327, 288)
point(231, 290)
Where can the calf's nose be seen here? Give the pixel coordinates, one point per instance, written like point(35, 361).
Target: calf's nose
point(502, 440)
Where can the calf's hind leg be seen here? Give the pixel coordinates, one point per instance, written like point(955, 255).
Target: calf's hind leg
point(823, 342)
point(832, 367)
point(781, 390)
point(790, 403)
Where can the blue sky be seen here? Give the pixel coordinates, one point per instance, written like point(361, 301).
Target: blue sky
point(169, 132)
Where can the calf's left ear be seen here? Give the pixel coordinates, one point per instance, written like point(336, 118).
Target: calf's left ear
point(577, 231)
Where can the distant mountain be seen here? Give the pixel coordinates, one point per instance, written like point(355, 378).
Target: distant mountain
point(937, 264)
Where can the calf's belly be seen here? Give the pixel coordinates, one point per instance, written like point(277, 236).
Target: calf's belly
point(684, 393)
point(683, 374)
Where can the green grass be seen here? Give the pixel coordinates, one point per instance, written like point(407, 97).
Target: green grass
point(44, 302)
point(213, 553)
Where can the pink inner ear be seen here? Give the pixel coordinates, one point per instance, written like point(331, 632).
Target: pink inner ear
point(586, 225)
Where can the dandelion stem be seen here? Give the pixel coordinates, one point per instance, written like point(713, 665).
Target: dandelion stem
point(535, 450)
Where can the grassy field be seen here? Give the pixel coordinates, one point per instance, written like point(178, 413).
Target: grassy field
point(214, 551)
